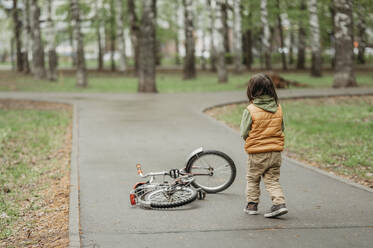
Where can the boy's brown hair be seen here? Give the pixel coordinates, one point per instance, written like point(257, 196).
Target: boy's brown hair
point(261, 84)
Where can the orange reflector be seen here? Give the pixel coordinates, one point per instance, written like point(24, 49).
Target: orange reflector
point(133, 199)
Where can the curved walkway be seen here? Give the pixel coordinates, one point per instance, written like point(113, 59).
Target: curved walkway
point(116, 131)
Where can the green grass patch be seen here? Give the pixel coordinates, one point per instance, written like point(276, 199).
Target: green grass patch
point(27, 140)
point(167, 82)
point(333, 133)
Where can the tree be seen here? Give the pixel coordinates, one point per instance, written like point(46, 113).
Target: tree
point(26, 37)
point(301, 58)
point(120, 33)
point(189, 69)
point(361, 33)
point(38, 63)
point(266, 34)
point(147, 46)
point(237, 35)
point(17, 25)
point(315, 39)
point(282, 43)
point(81, 73)
point(213, 55)
point(51, 44)
point(219, 37)
point(344, 69)
point(113, 30)
point(97, 22)
point(135, 32)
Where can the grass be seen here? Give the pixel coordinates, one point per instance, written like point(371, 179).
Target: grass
point(28, 141)
point(332, 133)
point(167, 82)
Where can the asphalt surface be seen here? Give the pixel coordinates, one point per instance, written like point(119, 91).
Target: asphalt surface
point(116, 131)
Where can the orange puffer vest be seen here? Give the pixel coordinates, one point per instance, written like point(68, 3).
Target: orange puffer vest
point(266, 131)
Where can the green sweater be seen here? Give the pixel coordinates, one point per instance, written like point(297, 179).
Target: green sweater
point(266, 103)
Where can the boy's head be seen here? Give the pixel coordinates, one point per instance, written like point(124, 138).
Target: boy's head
point(261, 84)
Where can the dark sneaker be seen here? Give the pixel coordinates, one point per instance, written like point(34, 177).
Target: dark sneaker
point(277, 210)
point(251, 208)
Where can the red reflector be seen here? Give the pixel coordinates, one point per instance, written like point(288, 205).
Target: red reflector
point(133, 199)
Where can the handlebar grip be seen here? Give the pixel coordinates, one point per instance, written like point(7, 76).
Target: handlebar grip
point(139, 171)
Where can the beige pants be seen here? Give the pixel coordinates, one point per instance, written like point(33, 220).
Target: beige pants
point(266, 165)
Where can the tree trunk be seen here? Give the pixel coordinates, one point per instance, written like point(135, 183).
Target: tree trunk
point(100, 35)
point(203, 58)
point(332, 35)
point(51, 45)
point(81, 73)
point(315, 39)
point(291, 50)
point(224, 14)
point(189, 70)
point(213, 55)
point(147, 46)
point(38, 64)
point(237, 36)
point(135, 32)
point(120, 33)
point(266, 34)
point(247, 48)
point(113, 34)
point(220, 49)
point(361, 31)
point(26, 37)
point(344, 69)
point(282, 43)
point(17, 24)
point(301, 59)
point(12, 54)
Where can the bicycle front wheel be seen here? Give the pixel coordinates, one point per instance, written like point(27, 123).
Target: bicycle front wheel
point(214, 171)
point(161, 198)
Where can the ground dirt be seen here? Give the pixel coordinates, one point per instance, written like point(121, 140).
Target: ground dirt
point(47, 224)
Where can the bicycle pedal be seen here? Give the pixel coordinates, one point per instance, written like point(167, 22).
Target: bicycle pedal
point(201, 194)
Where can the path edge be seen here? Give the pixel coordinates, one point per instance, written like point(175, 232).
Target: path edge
point(291, 160)
point(74, 204)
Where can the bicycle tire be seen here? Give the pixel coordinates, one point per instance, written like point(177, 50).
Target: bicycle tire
point(148, 198)
point(197, 183)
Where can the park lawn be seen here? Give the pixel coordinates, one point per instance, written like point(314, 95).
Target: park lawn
point(34, 154)
point(334, 134)
point(167, 82)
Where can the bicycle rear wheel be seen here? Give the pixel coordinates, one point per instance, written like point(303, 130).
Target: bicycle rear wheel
point(214, 171)
point(161, 198)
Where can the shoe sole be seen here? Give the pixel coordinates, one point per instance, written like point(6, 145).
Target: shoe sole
point(276, 213)
point(250, 212)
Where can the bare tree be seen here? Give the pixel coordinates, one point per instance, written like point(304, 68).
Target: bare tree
point(38, 63)
point(315, 39)
point(219, 37)
point(120, 33)
point(189, 70)
point(266, 34)
point(344, 69)
point(81, 73)
point(135, 32)
point(51, 44)
point(282, 43)
point(237, 35)
point(147, 46)
point(301, 58)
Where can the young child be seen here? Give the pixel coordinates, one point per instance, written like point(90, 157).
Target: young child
point(262, 129)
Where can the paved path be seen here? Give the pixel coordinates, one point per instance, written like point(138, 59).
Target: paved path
point(116, 131)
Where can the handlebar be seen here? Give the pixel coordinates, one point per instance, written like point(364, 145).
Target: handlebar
point(141, 173)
